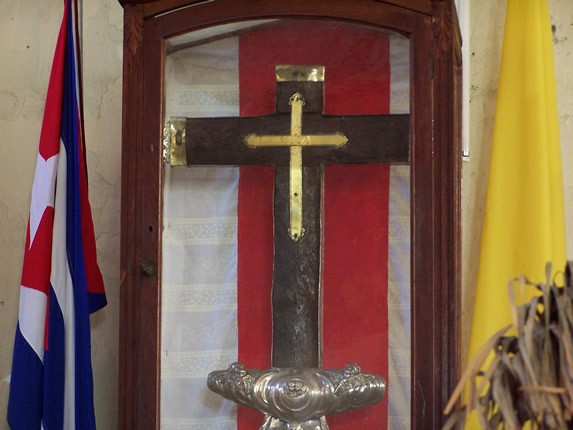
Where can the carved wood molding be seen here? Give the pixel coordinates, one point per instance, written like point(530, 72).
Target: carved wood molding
point(155, 7)
point(458, 41)
point(133, 28)
point(424, 6)
point(443, 25)
point(447, 30)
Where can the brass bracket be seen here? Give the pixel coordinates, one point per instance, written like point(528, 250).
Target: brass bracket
point(290, 73)
point(174, 149)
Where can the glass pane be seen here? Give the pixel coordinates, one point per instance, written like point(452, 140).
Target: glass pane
point(218, 220)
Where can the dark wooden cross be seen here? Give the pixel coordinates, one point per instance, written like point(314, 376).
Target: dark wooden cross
point(221, 141)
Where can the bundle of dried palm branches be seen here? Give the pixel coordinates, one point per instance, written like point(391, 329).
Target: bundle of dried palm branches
point(529, 378)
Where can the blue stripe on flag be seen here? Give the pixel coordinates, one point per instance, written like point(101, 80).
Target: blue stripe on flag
point(96, 301)
point(54, 367)
point(84, 416)
point(25, 402)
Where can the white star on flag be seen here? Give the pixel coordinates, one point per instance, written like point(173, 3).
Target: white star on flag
point(43, 191)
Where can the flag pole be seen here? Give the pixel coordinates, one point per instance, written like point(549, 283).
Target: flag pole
point(81, 29)
point(78, 6)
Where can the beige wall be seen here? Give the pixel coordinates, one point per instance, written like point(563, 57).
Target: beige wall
point(562, 19)
point(28, 33)
point(486, 29)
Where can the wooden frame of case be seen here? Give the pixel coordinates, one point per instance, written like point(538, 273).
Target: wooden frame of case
point(435, 50)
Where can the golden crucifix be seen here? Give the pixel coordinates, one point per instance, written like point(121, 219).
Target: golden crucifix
point(295, 141)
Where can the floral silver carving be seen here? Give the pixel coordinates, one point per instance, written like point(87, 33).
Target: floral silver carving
point(298, 399)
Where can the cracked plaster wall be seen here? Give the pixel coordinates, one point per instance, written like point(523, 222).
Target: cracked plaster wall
point(29, 30)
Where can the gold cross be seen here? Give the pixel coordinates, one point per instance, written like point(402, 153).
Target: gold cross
point(295, 141)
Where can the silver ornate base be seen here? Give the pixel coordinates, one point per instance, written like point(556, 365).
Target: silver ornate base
point(276, 424)
point(298, 399)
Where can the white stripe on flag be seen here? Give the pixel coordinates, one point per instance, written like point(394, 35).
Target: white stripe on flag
point(63, 288)
point(32, 318)
point(42, 191)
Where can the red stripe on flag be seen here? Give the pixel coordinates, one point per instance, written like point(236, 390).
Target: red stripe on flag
point(357, 82)
point(356, 61)
point(355, 292)
point(37, 264)
point(50, 134)
point(255, 275)
point(355, 273)
point(94, 279)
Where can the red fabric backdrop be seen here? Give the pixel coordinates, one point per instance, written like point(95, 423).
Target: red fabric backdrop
point(355, 267)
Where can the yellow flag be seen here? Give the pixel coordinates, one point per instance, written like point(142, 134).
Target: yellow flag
point(524, 224)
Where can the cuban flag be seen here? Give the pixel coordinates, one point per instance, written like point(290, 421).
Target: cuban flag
point(51, 383)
